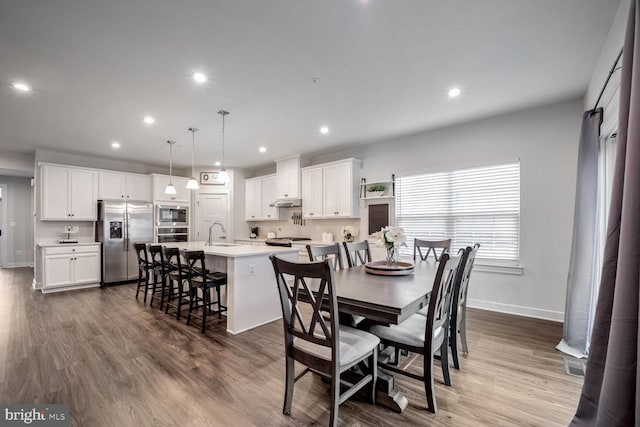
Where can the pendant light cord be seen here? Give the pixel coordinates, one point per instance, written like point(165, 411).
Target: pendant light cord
point(223, 113)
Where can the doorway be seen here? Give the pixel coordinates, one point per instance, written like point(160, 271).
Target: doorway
point(213, 208)
point(3, 225)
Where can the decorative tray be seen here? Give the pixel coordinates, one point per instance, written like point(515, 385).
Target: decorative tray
point(381, 268)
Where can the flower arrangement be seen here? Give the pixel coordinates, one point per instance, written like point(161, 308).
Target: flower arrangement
point(349, 233)
point(391, 238)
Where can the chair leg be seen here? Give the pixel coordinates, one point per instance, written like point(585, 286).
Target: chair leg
point(373, 365)
point(139, 282)
point(463, 329)
point(153, 289)
point(335, 398)
point(453, 342)
point(444, 361)
point(170, 296)
point(192, 296)
point(163, 287)
point(180, 293)
point(205, 307)
point(428, 382)
point(219, 303)
point(290, 381)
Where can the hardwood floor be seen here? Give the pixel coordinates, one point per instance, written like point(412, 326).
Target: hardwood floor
point(117, 362)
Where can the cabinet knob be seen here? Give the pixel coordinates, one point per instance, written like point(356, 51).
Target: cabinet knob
point(127, 197)
point(73, 250)
point(73, 214)
point(122, 196)
point(286, 195)
point(268, 216)
point(310, 213)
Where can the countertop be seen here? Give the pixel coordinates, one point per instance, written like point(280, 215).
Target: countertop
point(297, 242)
point(55, 245)
point(230, 251)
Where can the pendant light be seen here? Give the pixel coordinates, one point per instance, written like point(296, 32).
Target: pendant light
point(170, 188)
point(223, 175)
point(192, 184)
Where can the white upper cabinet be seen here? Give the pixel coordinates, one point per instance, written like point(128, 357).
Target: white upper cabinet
point(288, 178)
point(124, 186)
point(68, 193)
point(160, 183)
point(312, 196)
point(269, 196)
point(253, 199)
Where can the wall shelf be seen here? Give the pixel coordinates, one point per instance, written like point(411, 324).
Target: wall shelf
point(389, 192)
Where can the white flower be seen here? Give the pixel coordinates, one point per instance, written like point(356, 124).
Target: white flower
point(349, 231)
point(390, 236)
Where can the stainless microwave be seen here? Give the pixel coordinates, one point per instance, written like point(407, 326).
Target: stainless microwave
point(171, 215)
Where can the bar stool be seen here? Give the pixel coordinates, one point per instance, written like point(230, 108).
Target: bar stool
point(178, 276)
point(160, 274)
point(200, 278)
point(143, 268)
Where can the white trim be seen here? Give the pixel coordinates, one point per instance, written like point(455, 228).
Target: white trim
point(3, 226)
point(19, 264)
point(252, 327)
point(516, 270)
point(518, 310)
point(69, 288)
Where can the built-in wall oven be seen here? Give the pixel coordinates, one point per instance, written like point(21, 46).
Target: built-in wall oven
point(172, 234)
point(172, 215)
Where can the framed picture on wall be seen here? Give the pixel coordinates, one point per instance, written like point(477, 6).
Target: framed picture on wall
point(210, 178)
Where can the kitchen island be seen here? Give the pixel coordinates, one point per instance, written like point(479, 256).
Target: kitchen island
point(251, 294)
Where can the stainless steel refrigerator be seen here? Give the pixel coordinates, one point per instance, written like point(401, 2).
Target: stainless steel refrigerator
point(120, 225)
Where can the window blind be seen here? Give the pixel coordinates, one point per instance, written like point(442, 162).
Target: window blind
point(479, 205)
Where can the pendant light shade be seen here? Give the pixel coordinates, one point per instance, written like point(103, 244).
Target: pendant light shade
point(192, 184)
point(223, 175)
point(170, 188)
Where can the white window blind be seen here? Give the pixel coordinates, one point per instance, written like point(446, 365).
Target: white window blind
point(479, 205)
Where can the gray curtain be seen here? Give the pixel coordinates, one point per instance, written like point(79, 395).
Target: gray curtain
point(582, 266)
point(609, 395)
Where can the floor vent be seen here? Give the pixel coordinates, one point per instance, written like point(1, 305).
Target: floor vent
point(576, 367)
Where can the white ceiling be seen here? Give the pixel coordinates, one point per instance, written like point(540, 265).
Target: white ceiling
point(97, 67)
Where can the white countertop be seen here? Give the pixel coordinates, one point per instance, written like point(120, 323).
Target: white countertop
point(295, 242)
point(54, 245)
point(230, 251)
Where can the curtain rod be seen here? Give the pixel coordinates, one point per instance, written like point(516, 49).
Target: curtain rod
point(606, 82)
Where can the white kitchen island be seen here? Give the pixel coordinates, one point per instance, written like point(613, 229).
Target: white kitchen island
point(251, 294)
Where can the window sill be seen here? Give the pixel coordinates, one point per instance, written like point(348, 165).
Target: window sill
point(516, 270)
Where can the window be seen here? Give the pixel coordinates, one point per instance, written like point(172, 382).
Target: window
point(479, 205)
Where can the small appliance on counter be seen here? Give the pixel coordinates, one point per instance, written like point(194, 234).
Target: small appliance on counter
point(284, 241)
point(271, 235)
point(253, 232)
point(69, 230)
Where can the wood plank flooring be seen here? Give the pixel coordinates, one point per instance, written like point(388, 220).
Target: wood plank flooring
point(117, 362)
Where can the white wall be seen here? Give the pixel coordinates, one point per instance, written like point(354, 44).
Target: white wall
point(18, 230)
point(13, 163)
point(545, 139)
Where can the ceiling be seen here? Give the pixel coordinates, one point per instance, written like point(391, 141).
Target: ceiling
point(97, 67)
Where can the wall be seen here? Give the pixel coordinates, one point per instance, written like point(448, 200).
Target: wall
point(545, 140)
point(19, 222)
point(16, 164)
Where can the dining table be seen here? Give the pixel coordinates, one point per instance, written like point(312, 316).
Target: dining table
point(386, 299)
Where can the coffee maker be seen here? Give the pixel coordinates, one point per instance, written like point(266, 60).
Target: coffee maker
point(253, 232)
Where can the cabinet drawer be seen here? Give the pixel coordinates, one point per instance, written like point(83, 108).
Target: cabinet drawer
point(72, 250)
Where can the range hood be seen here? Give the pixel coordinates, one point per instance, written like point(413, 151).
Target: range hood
point(287, 203)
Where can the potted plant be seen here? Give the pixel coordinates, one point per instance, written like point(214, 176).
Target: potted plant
point(376, 190)
point(349, 233)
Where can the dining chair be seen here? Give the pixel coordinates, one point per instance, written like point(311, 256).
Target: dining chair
point(143, 268)
point(458, 322)
point(357, 252)
point(317, 341)
point(431, 245)
point(201, 279)
point(426, 335)
point(330, 252)
point(177, 278)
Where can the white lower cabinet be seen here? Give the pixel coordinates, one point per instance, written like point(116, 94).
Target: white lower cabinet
point(70, 265)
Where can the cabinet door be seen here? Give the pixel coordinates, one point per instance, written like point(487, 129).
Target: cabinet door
point(111, 186)
point(160, 184)
point(86, 268)
point(269, 195)
point(312, 193)
point(288, 178)
point(138, 188)
point(183, 194)
point(57, 270)
point(55, 197)
point(253, 200)
point(83, 198)
point(338, 191)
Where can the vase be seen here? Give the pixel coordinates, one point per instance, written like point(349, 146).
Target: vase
point(348, 238)
point(392, 255)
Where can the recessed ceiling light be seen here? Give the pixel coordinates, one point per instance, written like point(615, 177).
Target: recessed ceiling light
point(262, 149)
point(21, 86)
point(199, 77)
point(454, 92)
point(115, 144)
point(324, 130)
point(216, 164)
point(149, 120)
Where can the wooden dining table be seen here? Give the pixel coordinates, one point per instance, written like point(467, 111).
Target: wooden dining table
point(388, 300)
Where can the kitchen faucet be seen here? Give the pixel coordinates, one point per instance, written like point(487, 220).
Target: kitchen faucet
point(210, 242)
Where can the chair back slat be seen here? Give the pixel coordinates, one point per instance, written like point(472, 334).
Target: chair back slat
point(357, 252)
point(141, 251)
point(295, 283)
point(460, 293)
point(440, 300)
point(430, 245)
point(192, 259)
point(157, 256)
point(331, 253)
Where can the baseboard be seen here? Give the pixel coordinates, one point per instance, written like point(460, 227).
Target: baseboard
point(252, 327)
point(518, 310)
point(69, 288)
point(19, 264)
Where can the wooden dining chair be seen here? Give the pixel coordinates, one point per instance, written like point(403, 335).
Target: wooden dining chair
point(160, 274)
point(203, 280)
point(144, 266)
point(430, 245)
point(426, 335)
point(320, 343)
point(177, 278)
point(458, 323)
point(330, 252)
point(357, 252)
